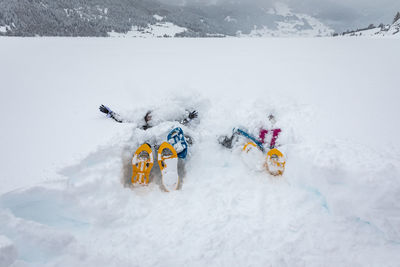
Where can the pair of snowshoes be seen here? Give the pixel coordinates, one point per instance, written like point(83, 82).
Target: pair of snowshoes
point(274, 161)
point(167, 157)
point(256, 155)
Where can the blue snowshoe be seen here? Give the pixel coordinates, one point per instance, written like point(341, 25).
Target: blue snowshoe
point(177, 139)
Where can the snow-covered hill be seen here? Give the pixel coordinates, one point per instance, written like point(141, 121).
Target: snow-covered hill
point(279, 21)
point(394, 29)
point(62, 202)
point(391, 30)
point(159, 29)
point(291, 24)
point(150, 18)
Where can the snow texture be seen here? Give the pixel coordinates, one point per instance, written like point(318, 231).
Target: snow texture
point(65, 198)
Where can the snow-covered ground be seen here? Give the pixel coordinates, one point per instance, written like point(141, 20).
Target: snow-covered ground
point(62, 202)
point(3, 29)
point(160, 29)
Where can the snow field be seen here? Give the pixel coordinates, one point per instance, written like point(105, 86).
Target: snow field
point(160, 29)
point(337, 204)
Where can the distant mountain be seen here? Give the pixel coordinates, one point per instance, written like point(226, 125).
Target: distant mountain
point(289, 24)
point(149, 18)
point(381, 30)
point(86, 17)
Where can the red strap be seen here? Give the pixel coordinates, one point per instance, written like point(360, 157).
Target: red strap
point(275, 134)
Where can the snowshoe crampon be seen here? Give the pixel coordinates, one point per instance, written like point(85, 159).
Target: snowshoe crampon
point(168, 162)
point(142, 162)
point(275, 162)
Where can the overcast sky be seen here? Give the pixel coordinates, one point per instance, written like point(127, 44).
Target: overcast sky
point(339, 14)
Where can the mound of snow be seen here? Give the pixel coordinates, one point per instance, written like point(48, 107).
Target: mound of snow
point(336, 205)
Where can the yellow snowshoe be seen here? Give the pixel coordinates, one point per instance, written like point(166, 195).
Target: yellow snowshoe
point(253, 157)
point(275, 163)
point(142, 162)
point(168, 162)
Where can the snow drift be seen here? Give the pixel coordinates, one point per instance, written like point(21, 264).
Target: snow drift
point(63, 201)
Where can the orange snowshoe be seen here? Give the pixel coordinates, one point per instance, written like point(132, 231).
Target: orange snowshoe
point(142, 162)
point(168, 162)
